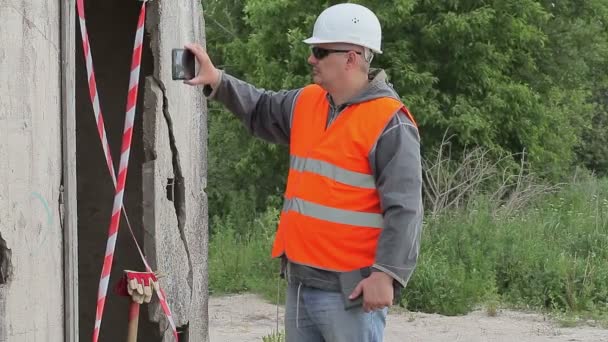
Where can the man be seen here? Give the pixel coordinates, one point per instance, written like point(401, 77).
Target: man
point(353, 200)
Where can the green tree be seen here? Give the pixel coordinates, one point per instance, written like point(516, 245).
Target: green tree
point(593, 150)
point(509, 75)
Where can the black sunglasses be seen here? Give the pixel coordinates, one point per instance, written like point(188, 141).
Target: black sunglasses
point(321, 53)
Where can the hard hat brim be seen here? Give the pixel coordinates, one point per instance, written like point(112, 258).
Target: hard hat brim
point(315, 40)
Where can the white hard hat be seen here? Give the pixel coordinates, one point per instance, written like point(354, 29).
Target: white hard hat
point(347, 23)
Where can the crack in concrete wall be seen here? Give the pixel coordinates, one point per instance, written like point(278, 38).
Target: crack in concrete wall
point(176, 152)
point(31, 24)
point(6, 268)
point(183, 333)
point(179, 187)
point(6, 272)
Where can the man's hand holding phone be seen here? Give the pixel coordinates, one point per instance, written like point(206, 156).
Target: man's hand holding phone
point(208, 74)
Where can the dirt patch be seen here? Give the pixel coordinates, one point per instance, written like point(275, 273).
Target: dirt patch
point(247, 318)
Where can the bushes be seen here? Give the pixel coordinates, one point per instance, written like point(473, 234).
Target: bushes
point(241, 262)
point(553, 255)
point(455, 269)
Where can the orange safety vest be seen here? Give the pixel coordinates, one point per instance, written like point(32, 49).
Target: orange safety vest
point(332, 217)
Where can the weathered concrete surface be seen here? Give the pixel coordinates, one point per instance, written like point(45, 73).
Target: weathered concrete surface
point(31, 272)
point(31, 300)
point(175, 145)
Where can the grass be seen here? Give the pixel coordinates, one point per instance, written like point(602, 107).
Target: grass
point(242, 263)
point(274, 337)
point(550, 256)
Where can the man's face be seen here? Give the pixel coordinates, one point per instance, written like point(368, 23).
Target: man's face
point(330, 61)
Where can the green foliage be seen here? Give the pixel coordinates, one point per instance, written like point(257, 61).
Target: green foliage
point(550, 255)
point(456, 270)
point(241, 262)
point(504, 74)
point(274, 337)
point(593, 151)
point(245, 174)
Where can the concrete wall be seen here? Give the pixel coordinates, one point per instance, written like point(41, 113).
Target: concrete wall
point(167, 144)
point(175, 146)
point(31, 295)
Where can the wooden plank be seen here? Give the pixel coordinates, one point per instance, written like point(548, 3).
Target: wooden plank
point(68, 132)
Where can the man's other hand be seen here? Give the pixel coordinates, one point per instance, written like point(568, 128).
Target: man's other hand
point(377, 290)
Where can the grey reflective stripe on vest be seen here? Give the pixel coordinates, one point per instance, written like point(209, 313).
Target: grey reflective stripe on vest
point(321, 212)
point(336, 173)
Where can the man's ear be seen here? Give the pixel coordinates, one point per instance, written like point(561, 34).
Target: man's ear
point(351, 61)
point(368, 55)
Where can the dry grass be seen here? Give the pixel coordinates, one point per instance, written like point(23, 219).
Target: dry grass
point(450, 182)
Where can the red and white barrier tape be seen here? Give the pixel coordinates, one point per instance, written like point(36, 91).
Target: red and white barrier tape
point(101, 130)
point(124, 161)
point(99, 116)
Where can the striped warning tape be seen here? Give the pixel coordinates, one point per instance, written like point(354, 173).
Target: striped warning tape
point(124, 161)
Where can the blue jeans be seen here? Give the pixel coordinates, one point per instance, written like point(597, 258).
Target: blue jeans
point(314, 315)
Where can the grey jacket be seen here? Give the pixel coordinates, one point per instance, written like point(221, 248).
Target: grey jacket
point(395, 161)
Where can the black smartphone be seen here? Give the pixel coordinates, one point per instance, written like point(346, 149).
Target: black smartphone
point(182, 66)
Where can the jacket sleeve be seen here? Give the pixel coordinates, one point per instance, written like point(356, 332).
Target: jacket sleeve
point(396, 164)
point(266, 114)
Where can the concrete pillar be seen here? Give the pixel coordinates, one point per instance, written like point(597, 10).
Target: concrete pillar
point(31, 273)
point(175, 169)
point(169, 147)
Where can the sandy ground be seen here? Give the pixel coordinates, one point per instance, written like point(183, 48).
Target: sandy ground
point(245, 318)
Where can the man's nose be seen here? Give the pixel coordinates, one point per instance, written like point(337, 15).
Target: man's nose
point(312, 60)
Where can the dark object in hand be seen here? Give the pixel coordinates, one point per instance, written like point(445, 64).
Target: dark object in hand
point(348, 283)
point(182, 65)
